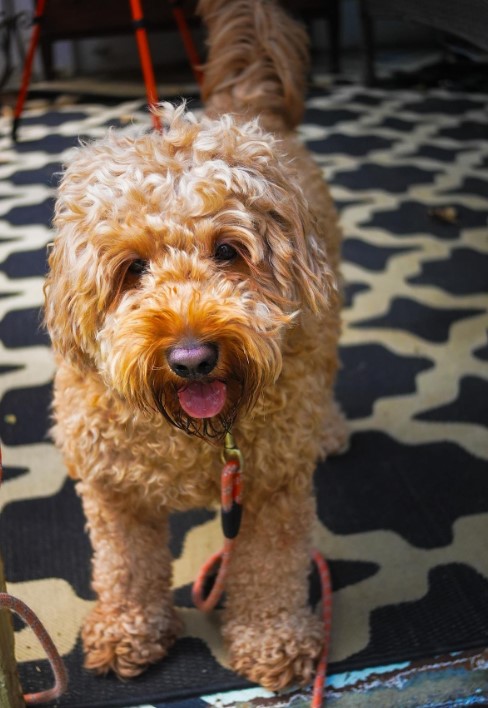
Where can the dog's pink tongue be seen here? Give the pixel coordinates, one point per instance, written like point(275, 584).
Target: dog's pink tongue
point(203, 400)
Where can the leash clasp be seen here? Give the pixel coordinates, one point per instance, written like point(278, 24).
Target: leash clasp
point(231, 502)
point(231, 452)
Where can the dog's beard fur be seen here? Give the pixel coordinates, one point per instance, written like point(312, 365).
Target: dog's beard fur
point(243, 389)
point(144, 326)
point(212, 429)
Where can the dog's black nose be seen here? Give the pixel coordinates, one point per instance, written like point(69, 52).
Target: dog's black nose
point(193, 360)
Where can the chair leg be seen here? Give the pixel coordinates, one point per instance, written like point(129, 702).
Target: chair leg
point(145, 57)
point(27, 72)
point(367, 32)
point(188, 42)
point(334, 21)
point(47, 58)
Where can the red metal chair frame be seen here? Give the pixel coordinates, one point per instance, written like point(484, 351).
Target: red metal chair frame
point(138, 22)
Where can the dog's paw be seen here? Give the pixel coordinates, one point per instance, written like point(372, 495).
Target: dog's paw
point(126, 640)
point(281, 651)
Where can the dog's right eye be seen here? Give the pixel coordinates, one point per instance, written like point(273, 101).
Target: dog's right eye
point(225, 252)
point(138, 267)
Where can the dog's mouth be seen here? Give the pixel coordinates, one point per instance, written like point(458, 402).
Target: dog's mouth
point(206, 408)
point(202, 400)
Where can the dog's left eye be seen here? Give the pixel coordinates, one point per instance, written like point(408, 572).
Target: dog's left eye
point(138, 267)
point(225, 252)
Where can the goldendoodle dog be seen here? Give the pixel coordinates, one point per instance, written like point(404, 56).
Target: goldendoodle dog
point(193, 289)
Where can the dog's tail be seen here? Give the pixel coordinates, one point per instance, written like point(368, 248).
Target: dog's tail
point(257, 63)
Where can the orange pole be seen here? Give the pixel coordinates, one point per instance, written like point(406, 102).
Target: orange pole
point(145, 57)
point(26, 74)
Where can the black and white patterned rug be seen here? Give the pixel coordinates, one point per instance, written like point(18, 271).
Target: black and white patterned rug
point(404, 513)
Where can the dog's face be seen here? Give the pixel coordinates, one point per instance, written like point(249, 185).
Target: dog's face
point(179, 262)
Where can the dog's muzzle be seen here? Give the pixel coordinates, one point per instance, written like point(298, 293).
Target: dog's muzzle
point(200, 396)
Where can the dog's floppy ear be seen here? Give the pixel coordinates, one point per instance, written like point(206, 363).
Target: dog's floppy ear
point(313, 274)
point(302, 265)
point(67, 311)
point(72, 299)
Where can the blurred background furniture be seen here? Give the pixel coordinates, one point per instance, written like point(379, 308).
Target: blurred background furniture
point(56, 20)
point(11, 22)
point(467, 19)
point(78, 19)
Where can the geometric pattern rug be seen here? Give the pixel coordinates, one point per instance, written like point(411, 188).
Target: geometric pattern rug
point(404, 512)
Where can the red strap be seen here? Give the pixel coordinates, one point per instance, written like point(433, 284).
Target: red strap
point(326, 589)
point(30, 618)
point(59, 671)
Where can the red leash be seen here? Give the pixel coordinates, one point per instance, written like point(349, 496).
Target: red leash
point(57, 666)
point(231, 514)
point(318, 696)
point(29, 617)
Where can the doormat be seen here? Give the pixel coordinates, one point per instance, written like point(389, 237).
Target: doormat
point(404, 512)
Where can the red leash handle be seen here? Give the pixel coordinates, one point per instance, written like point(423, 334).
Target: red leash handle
point(59, 671)
point(29, 617)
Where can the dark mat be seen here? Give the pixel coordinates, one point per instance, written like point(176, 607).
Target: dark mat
point(404, 513)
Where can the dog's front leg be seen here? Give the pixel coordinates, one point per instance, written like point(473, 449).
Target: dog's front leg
point(133, 622)
point(273, 637)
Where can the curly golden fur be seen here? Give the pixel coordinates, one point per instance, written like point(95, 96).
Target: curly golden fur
point(215, 235)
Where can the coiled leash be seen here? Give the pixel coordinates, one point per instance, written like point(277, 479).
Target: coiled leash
point(231, 515)
point(32, 620)
point(13, 604)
